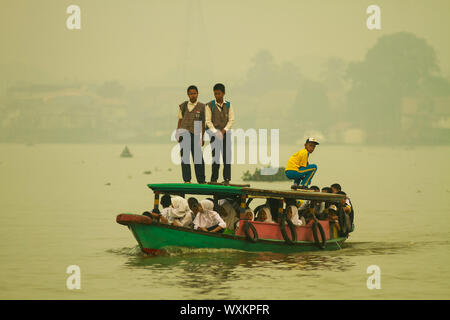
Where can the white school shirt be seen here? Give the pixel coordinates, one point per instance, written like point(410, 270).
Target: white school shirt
point(190, 107)
point(207, 220)
point(208, 116)
point(165, 213)
point(187, 219)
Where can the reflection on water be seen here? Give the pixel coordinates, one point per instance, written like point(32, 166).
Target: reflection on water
point(208, 273)
point(315, 260)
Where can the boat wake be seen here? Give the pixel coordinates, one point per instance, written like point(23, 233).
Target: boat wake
point(127, 251)
point(171, 251)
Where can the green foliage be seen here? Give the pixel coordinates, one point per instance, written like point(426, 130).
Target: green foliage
point(399, 65)
point(257, 176)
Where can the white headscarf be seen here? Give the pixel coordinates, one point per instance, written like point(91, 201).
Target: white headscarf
point(249, 210)
point(295, 220)
point(208, 217)
point(231, 216)
point(268, 215)
point(180, 207)
point(207, 205)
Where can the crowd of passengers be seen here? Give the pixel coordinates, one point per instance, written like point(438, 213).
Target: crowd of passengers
point(204, 215)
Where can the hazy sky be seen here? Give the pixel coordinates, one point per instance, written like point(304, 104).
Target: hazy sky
point(145, 42)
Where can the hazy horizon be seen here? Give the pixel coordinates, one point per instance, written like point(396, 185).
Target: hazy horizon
point(132, 61)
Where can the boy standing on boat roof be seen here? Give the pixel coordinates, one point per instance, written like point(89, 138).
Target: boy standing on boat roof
point(298, 167)
point(219, 119)
point(190, 131)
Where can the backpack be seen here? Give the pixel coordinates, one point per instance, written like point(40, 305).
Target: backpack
point(213, 105)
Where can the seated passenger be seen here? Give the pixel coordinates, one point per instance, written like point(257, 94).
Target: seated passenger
point(178, 214)
point(327, 190)
point(181, 212)
point(165, 203)
point(264, 215)
point(274, 205)
point(292, 214)
point(207, 219)
point(227, 213)
point(336, 188)
point(248, 215)
point(191, 201)
point(332, 215)
point(327, 204)
point(345, 203)
point(193, 205)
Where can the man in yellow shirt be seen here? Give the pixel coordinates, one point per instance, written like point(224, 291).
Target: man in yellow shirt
point(298, 168)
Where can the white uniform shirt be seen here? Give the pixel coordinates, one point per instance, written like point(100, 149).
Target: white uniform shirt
point(187, 220)
point(206, 220)
point(165, 212)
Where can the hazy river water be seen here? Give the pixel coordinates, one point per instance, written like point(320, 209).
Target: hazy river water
point(59, 203)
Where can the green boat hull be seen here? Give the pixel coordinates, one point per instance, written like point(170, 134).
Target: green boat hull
point(154, 238)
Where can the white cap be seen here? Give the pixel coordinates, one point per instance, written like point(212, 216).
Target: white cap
point(311, 139)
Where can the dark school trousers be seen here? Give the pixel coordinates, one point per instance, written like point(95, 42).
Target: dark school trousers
point(195, 148)
point(223, 148)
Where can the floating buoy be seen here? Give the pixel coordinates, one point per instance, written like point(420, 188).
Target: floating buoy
point(126, 153)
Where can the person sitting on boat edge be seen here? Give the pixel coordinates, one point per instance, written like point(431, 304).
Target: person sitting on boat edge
point(207, 219)
point(298, 167)
point(345, 204)
point(336, 188)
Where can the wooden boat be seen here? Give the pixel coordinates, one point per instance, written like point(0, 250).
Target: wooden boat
point(153, 237)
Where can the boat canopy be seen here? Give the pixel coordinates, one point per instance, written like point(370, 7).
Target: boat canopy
point(222, 190)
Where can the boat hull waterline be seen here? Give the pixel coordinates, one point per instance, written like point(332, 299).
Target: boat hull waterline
point(154, 237)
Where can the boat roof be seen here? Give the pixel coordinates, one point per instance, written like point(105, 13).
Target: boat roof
point(222, 190)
